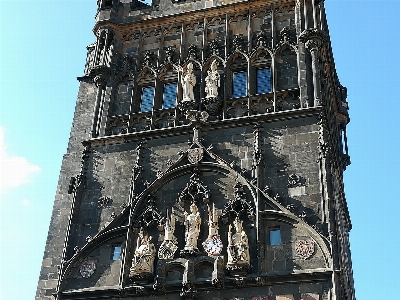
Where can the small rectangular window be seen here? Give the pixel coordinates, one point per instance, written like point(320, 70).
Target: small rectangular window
point(275, 237)
point(115, 252)
point(264, 81)
point(169, 97)
point(239, 84)
point(147, 99)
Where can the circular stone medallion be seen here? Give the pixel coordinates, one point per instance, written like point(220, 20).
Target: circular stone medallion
point(87, 268)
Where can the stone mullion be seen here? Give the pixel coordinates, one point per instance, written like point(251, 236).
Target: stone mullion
point(305, 12)
point(314, 7)
point(249, 47)
point(226, 67)
point(203, 57)
point(274, 71)
point(301, 58)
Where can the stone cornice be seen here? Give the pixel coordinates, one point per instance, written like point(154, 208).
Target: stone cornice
point(194, 16)
point(206, 126)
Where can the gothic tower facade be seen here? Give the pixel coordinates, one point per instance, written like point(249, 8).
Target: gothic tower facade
point(206, 158)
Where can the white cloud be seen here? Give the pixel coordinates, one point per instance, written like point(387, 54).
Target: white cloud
point(14, 170)
point(25, 202)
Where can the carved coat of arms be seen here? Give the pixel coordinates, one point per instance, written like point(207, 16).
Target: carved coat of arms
point(167, 250)
point(87, 268)
point(195, 155)
point(304, 248)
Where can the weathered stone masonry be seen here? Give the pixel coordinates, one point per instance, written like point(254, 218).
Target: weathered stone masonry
point(269, 161)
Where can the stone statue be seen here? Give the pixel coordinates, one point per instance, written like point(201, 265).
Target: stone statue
point(143, 259)
point(192, 227)
point(238, 245)
point(169, 245)
point(212, 81)
point(188, 82)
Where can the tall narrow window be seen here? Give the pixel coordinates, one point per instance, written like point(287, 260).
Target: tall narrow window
point(115, 252)
point(264, 81)
point(275, 237)
point(147, 99)
point(169, 97)
point(239, 84)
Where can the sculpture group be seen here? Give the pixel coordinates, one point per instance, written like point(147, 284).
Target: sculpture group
point(237, 248)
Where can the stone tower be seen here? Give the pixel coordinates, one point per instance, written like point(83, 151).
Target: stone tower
point(206, 158)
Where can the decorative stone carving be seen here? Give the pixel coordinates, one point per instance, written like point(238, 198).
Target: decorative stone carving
point(214, 47)
point(87, 268)
point(213, 244)
point(148, 58)
point(237, 43)
point(189, 291)
point(192, 231)
point(169, 245)
point(238, 249)
point(261, 41)
point(169, 54)
point(143, 258)
point(195, 155)
point(285, 35)
point(294, 180)
point(104, 202)
point(238, 205)
point(195, 189)
point(304, 248)
point(192, 52)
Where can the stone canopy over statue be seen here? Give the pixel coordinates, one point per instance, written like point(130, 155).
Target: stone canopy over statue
point(143, 258)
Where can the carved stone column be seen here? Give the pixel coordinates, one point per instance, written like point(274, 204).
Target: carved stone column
point(313, 40)
point(100, 76)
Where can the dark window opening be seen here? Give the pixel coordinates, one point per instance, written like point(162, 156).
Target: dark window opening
point(169, 97)
point(115, 252)
point(275, 237)
point(147, 99)
point(264, 81)
point(239, 84)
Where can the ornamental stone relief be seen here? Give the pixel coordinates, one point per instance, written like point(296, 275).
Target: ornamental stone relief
point(87, 268)
point(304, 248)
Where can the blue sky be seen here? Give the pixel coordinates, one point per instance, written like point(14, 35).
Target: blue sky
point(43, 50)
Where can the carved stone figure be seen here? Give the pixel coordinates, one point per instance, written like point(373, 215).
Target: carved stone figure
point(143, 259)
point(192, 227)
point(168, 247)
point(238, 244)
point(212, 81)
point(188, 83)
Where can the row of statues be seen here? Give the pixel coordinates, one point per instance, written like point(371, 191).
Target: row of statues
point(237, 249)
point(188, 81)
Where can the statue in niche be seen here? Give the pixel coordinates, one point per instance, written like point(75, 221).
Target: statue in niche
point(192, 227)
point(188, 82)
point(212, 81)
point(169, 245)
point(213, 244)
point(143, 258)
point(238, 245)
